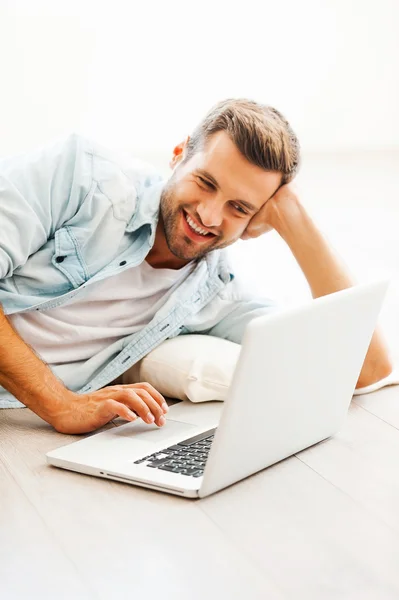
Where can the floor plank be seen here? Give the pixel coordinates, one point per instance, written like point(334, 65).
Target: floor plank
point(362, 461)
point(32, 562)
point(315, 539)
point(384, 404)
point(127, 539)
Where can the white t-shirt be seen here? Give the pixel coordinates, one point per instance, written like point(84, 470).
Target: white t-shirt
point(101, 314)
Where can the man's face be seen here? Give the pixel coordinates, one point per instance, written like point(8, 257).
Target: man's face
point(218, 191)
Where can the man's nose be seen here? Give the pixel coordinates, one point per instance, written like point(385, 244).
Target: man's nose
point(211, 213)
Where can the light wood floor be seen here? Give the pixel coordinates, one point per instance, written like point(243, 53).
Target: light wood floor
point(323, 524)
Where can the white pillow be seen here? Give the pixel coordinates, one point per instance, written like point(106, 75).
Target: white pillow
point(200, 368)
point(188, 367)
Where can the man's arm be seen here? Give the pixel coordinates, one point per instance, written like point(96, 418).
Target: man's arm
point(28, 378)
point(323, 270)
point(32, 382)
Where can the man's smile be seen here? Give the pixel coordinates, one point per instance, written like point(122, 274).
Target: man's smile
point(188, 226)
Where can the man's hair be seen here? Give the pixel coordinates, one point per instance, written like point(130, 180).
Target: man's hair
point(260, 132)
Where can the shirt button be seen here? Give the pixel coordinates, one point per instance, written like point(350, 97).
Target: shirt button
point(60, 259)
point(122, 263)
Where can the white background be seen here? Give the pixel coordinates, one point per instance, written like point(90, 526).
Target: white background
point(140, 75)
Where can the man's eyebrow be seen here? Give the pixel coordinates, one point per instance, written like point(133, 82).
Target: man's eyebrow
point(215, 183)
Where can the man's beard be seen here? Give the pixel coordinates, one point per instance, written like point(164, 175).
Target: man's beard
point(175, 238)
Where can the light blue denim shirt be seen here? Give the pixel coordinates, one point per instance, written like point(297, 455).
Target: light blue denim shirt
point(73, 213)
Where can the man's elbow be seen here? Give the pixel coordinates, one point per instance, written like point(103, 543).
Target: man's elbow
point(371, 373)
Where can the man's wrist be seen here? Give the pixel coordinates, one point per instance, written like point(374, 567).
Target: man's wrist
point(287, 215)
point(49, 401)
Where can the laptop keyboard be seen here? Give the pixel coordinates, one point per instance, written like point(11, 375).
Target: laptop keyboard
point(186, 458)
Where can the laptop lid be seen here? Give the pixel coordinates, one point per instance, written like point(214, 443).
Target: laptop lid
point(293, 383)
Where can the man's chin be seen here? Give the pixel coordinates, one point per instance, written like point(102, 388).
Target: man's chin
point(188, 256)
point(184, 253)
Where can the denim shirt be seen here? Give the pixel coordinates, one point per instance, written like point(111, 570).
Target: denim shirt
point(74, 213)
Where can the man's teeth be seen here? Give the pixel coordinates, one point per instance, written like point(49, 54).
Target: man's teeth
point(194, 226)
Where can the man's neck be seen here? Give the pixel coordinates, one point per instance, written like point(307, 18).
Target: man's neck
point(161, 262)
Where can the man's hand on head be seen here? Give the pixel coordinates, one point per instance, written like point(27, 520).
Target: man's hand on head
point(283, 202)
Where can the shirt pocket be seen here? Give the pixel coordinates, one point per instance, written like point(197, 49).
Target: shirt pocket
point(67, 257)
point(53, 270)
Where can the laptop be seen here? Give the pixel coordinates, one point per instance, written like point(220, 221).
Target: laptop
point(291, 388)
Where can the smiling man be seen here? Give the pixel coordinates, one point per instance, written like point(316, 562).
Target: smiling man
point(101, 260)
point(211, 197)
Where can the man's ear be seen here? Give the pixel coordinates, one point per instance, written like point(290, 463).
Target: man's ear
point(179, 153)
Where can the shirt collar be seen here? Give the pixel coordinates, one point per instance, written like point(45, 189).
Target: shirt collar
point(147, 209)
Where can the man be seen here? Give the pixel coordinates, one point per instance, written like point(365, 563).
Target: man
point(101, 261)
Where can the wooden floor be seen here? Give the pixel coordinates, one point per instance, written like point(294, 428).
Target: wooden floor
point(323, 524)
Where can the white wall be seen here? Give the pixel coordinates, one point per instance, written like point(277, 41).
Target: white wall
point(141, 74)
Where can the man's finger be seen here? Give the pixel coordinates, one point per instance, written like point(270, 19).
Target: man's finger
point(152, 391)
point(153, 405)
point(110, 408)
point(135, 403)
point(254, 232)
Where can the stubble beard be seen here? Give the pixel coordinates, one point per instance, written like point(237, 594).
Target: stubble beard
point(175, 238)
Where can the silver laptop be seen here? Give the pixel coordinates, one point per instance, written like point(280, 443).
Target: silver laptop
point(291, 388)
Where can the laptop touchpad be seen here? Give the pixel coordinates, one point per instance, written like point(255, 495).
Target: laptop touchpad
point(142, 432)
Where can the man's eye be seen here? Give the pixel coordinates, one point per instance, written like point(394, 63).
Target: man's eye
point(206, 183)
point(240, 209)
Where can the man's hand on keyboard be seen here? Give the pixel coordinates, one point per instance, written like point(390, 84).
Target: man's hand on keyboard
point(81, 413)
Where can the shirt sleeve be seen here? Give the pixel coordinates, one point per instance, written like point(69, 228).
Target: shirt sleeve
point(232, 326)
point(39, 191)
point(228, 314)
